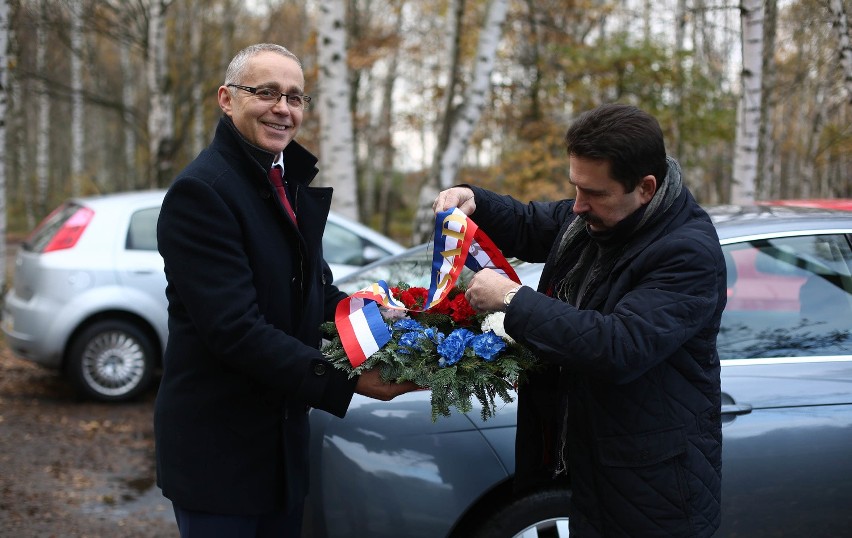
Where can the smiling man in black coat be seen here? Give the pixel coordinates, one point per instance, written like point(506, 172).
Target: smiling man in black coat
point(247, 291)
point(625, 319)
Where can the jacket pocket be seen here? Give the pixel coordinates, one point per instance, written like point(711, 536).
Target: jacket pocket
point(642, 449)
point(642, 482)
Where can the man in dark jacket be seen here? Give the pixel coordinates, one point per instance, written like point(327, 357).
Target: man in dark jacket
point(247, 291)
point(627, 408)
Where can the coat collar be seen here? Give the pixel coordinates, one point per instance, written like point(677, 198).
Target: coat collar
point(298, 161)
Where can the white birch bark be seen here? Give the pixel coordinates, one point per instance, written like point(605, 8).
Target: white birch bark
point(766, 186)
point(387, 150)
point(423, 219)
point(337, 144)
point(841, 26)
point(4, 77)
point(748, 112)
point(476, 94)
point(42, 157)
point(198, 90)
point(128, 102)
point(161, 100)
point(77, 131)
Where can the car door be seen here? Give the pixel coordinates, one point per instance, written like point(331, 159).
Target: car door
point(786, 350)
point(140, 269)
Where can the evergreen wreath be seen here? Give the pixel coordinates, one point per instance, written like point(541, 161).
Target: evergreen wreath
point(450, 349)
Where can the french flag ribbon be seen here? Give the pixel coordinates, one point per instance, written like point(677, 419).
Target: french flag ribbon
point(458, 242)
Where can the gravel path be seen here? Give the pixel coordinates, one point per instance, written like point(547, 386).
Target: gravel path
point(70, 468)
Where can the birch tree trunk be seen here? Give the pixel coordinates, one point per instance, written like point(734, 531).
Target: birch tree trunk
point(463, 123)
point(766, 185)
point(128, 102)
point(679, 68)
point(476, 94)
point(21, 171)
point(453, 39)
point(77, 131)
point(841, 26)
point(199, 135)
point(388, 150)
point(337, 144)
point(160, 116)
point(4, 77)
point(422, 226)
point(42, 157)
point(748, 112)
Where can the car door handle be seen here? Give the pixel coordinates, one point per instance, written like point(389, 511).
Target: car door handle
point(736, 409)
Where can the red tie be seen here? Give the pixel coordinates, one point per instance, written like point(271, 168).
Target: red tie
point(277, 180)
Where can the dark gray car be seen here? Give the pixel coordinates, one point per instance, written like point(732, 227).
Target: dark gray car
point(387, 470)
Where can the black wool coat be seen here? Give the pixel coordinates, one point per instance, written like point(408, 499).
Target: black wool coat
point(247, 292)
point(633, 376)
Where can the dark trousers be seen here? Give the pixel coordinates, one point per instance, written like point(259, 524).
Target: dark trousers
point(193, 524)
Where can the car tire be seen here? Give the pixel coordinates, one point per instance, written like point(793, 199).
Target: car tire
point(111, 361)
point(543, 511)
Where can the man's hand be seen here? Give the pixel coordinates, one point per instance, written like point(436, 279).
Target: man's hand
point(370, 384)
point(486, 290)
point(460, 197)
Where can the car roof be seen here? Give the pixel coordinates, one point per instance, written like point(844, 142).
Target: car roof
point(753, 220)
point(824, 203)
point(152, 197)
point(127, 198)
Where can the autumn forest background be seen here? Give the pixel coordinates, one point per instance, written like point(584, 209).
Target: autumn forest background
point(103, 96)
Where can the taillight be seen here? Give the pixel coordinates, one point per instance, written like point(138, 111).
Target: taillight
point(69, 233)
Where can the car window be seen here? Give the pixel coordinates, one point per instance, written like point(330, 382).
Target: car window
point(789, 296)
point(345, 247)
point(142, 232)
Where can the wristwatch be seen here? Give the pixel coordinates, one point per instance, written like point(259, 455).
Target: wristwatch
point(509, 296)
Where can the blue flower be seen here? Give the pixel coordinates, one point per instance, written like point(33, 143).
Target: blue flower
point(488, 345)
point(434, 335)
point(410, 340)
point(407, 324)
point(453, 346)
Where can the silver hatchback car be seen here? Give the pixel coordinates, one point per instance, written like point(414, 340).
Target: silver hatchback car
point(88, 292)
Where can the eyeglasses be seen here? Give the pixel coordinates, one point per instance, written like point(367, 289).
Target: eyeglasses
point(271, 97)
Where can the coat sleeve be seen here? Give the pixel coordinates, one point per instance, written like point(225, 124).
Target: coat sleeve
point(208, 268)
point(672, 295)
point(524, 231)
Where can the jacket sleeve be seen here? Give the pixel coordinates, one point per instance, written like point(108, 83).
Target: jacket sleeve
point(673, 293)
point(524, 231)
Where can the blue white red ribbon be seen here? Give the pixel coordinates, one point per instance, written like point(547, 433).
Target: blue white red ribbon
point(458, 242)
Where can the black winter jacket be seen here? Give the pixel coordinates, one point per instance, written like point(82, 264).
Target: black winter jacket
point(247, 293)
point(633, 375)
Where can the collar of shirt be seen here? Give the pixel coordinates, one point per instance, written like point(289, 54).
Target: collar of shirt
point(279, 161)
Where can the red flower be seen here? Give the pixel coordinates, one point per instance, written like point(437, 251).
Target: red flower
point(414, 298)
point(462, 312)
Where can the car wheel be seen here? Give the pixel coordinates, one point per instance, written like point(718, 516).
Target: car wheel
point(536, 515)
point(111, 361)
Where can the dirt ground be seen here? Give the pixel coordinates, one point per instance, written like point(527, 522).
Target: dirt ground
point(71, 468)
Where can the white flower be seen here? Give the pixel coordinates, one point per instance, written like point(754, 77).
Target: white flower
point(494, 322)
point(392, 314)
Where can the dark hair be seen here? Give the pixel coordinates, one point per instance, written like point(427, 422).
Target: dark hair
point(630, 139)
